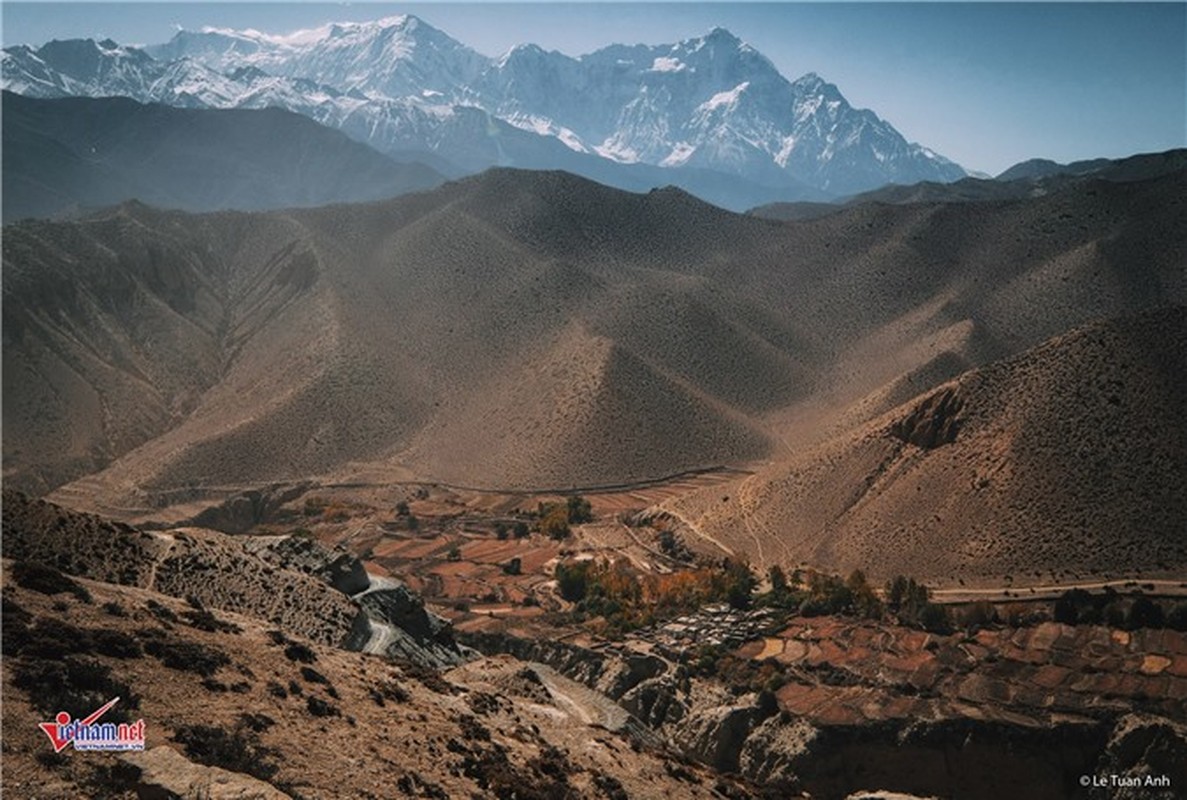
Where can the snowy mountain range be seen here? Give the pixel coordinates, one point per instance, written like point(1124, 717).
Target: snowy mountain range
point(711, 114)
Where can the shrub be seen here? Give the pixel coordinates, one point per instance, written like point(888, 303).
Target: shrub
point(75, 685)
point(295, 651)
point(572, 580)
point(313, 676)
point(1070, 606)
point(114, 609)
point(935, 618)
point(320, 708)
point(978, 615)
point(862, 597)
point(47, 580)
point(1177, 618)
point(579, 510)
point(205, 620)
point(238, 751)
point(1145, 613)
point(189, 656)
point(163, 613)
point(555, 522)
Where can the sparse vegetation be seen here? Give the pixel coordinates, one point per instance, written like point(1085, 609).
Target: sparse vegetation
point(204, 620)
point(47, 580)
point(239, 750)
point(627, 600)
point(296, 651)
point(554, 522)
point(188, 656)
point(321, 708)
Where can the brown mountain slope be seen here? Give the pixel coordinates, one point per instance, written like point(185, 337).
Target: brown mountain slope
point(1068, 458)
point(525, 329)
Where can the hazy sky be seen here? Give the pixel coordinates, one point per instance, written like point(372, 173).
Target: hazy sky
point(986, 84)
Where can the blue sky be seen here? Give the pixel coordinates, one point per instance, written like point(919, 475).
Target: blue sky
point(986, 84)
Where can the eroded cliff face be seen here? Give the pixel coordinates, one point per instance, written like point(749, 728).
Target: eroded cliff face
point(928, 738)
point(304, 588)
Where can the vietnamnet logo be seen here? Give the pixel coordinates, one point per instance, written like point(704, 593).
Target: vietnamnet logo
point(90, 734)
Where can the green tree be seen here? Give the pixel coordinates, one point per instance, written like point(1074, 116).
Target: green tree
point(778, 579)
point(572, 580)
point(555, 524)
point(1145, 613)
point(739, 583)
point(862, 596)
point(579, 510)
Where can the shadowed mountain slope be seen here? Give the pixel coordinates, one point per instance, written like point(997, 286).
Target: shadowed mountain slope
point(1068, 459)
point(63, 156)
point(526, 329)
point(1029, 179)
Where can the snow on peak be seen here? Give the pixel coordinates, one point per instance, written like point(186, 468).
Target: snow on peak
point(309, 36)
point(663, 64)
point(729, 98)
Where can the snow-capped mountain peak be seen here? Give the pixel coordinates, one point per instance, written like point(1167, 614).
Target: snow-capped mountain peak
point(712, 101)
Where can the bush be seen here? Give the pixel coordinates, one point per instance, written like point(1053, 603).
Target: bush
point(572, 580)
point(114, 609)
point(1177, 618)
point(75, 685)
point(46, 580)
point(237, 751)
point(1071, 605)
point(189, 657)
point(1145, 613)
point(521, 529)
point(295, 651)
point(205, 620)
point(579, 510)
point(978, 615)
point(555, 523)
point(935, 618)
point(863, 600)
point(320, 708)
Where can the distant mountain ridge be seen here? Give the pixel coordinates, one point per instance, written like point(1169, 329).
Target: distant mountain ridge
point(1033, 178)
point(711, 104)
point(68, 155)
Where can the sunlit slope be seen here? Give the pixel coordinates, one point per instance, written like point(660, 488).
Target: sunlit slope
point(529, 329)
point(1067, 459)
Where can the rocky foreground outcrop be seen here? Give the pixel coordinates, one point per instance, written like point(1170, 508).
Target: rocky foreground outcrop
point(234, 708)
point(307, 590)
point(165, 773)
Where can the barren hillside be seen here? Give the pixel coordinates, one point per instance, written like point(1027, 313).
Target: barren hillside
point(1067, 462)
point(526, 330)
